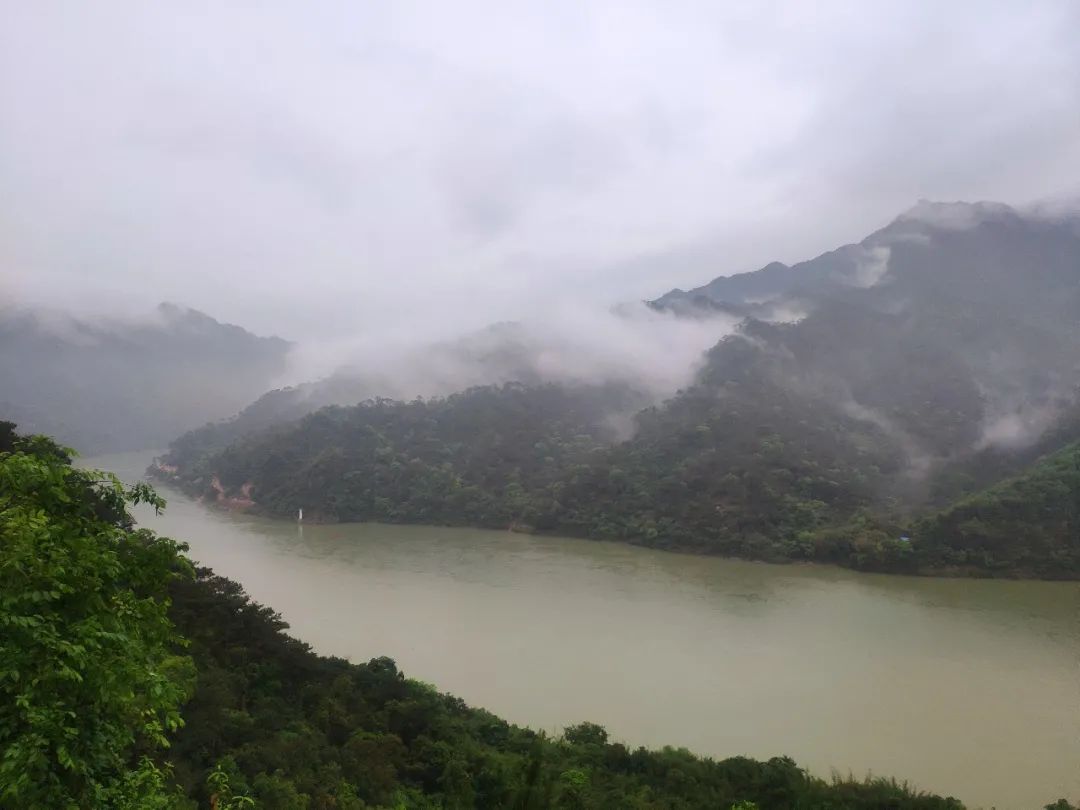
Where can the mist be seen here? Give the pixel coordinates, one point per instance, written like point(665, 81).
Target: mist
point(458, 336)
point(342, 171)
point(654, 351)
point(422, 199)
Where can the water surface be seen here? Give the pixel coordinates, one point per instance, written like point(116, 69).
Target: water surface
point(963, 687)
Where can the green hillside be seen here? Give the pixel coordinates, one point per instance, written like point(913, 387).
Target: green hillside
point(738, 465)
point(130, 680)
point(1029, 523)
point(913, 369)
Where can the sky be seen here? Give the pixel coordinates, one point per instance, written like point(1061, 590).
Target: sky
point(320, 170)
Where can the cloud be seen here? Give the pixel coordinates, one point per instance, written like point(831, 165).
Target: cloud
point(957, 216)
point(208, 134)
point(492, 175)
point(1017, 429)
point(871, 266)
point(352, 170)
point(655, 352)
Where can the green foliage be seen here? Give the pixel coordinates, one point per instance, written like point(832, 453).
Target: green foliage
point(702, 473)
point(738, 465)
point(1028, 523)
point(88, 678)
point(269, 724)
point(147, 787)
point(585, 734)
point(821, 439)
point(222, 795)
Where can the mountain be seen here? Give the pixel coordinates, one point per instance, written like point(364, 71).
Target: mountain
point(497, 354)
point(1028, 522)
point(863, 392)
point(632, 345)
point(123, 385)
point(968, 307)
point(956, 243)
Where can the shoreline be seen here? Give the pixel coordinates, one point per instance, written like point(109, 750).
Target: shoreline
point(247, 505)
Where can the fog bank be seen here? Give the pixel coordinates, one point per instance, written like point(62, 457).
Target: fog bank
point(654, 351)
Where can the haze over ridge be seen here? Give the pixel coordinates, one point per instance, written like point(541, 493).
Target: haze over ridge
point(344, 171)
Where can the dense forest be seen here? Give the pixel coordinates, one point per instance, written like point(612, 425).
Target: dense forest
point(130, 679)
point(925, 364)
point(738, 465)
point(1029, 522)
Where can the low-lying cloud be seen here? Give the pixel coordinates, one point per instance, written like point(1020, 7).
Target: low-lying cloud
point(871, 267)
point(655, 352)
point(1019, 424)
point(300, 170)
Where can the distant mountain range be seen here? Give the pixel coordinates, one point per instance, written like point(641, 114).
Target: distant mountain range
point(864, 391)
point(959, 243)
point(972, 310)
point(120, 385)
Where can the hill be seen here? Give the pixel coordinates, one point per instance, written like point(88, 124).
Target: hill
point(191, 695)
point(1029, 522)
point(632, 346)
point(126, 385)
point(933, 359)
point(951, 245)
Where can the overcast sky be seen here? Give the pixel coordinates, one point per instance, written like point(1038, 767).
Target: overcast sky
point(317, 168)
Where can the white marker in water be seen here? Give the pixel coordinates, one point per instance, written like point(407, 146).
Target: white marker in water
point(300, 516)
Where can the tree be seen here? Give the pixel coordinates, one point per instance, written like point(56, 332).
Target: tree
point(89, 678)
point(586, 734)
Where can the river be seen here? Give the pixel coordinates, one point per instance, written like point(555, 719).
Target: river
point(963, 687)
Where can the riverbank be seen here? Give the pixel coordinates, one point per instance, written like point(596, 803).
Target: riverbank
point(839, 669)
point(899, 565)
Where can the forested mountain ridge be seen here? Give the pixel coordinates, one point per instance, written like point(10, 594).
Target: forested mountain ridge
point(133, 680)
point(985, 295)
point(433, 458)
point(1028, 522)
point(935, 358)
point(973, 308)
point(500, 353)
point(958, 244)
point(631, 345)
point(124, 385)
point(708, 473)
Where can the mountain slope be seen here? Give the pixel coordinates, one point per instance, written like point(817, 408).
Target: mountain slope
point(709, 471)
point(129, 385)
point(633, 346)
point(451, 460)
point(947, 340)
point(948, 304)
point(1029, 522)
point(951, 244)
point(740, 467)
point(134, 680)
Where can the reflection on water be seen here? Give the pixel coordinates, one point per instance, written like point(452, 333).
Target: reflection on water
point(967, 687)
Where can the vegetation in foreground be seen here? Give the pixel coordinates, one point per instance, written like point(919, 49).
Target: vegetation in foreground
point(130, 680)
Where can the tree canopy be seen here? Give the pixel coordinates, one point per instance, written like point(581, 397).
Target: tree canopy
point(742, 464)
point(130, 680)
point(90, 679)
